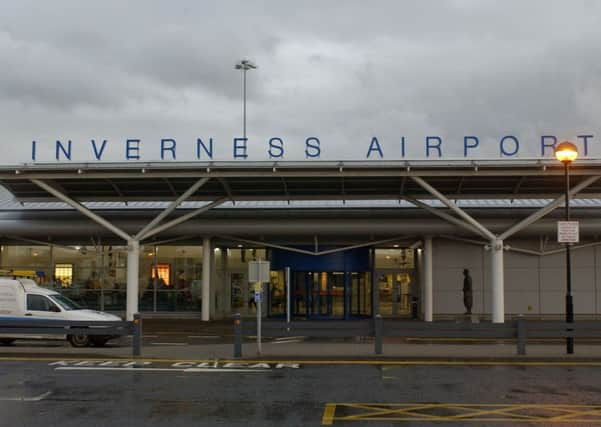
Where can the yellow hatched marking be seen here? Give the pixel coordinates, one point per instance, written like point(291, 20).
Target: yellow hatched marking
point(473, 412)
point(328, 414)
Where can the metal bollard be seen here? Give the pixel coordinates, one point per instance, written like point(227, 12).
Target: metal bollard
point(378, 332)
point(237, 335)
point(137, 330)
point(522, 336)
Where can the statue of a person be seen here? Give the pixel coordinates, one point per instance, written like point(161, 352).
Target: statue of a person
point(468, 298)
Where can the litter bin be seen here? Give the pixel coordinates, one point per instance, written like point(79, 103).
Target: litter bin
point(414, 308)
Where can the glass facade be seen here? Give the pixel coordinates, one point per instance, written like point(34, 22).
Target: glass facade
point(170, 279)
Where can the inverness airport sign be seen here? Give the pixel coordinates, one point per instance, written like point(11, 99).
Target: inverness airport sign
point(368, 148)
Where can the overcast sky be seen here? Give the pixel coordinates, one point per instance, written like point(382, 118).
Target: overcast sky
point(340, 70)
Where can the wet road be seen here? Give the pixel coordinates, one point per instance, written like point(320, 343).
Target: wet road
point(216, 394)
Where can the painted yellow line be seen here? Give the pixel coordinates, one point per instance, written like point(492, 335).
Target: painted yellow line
point(328, 414)
point(316, 362)
point(478, 412)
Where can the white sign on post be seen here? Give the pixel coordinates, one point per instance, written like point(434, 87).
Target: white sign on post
point(258, 271)
point(568, 232)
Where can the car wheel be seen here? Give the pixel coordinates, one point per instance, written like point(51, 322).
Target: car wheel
point(79, 340)
point(7, 341)
point(99, 341)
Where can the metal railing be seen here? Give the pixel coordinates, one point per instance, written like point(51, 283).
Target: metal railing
point(519, 330)
point(33, 326)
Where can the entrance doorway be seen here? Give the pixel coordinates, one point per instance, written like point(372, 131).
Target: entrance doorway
point(330, 295)
point(394, 292)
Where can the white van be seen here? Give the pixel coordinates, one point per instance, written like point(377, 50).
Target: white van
point(24, 298)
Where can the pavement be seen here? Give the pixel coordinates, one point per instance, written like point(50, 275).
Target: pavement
point(190, 339)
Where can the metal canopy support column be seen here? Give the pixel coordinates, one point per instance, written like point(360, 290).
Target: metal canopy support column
point(547, 209)
point(206, 278)
point(427, 280)
point(172, 207)
point(481, 229)
point(133, 260)
point(498, 291)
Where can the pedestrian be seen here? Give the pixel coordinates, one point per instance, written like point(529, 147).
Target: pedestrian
point(468, 298)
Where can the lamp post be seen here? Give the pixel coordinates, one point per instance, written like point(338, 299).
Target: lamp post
point(244, 65)
point(566, 152)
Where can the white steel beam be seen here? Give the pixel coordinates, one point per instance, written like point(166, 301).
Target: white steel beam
point(207, 254)
point(427, 281)
point(81, 208)
point(498, 286)
point(133, 274)
point(443, 215)
point(481, 229)
point(550, 207)
point(172, 207)
point(183, 218)
point(317, 252)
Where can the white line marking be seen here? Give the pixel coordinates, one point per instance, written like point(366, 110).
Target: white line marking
point(290, 338)
point(285, 342)
point(26, 399)
point(169, 343)
point(132, 369)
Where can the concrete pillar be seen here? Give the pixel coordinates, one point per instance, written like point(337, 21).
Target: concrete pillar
point(133, 262)
point(206, 278)
point(427, 281)
point(498, 286)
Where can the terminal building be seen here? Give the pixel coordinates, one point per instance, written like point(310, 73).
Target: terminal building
point(358, 238)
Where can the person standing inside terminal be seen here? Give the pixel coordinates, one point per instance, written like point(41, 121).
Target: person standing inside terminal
point(467, 291)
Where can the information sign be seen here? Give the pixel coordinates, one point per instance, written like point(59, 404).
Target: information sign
point(568, 232)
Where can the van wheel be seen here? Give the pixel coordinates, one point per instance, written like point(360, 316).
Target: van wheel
point(7, 341)
point(99, 341)
point(79, 340)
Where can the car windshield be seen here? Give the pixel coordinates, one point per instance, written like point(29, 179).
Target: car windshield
point(66, 303)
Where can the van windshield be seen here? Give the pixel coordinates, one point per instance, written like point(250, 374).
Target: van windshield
point(66, 303)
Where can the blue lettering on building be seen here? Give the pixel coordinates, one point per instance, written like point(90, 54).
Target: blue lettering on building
point(544, 144)
point(312, 147)
point(66, 151)
point(374, 145)
point(276, 148)
point(240, 148)
point(585, 139)
point(168, 144)
point(132, 149)
point(466, 143)
point(503, 146)
point(98, 153)
point(208, 150)
point(435, 146)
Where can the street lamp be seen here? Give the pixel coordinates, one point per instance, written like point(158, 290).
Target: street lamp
point(244, 65)
point(566, 152)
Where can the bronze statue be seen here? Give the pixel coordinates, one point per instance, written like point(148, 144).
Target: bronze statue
point(468, 298)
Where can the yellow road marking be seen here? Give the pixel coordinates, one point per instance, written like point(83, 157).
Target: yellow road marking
point(328, 414)
point(466, 412)
point(318, 362)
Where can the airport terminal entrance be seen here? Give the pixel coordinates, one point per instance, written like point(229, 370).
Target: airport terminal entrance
point(333, 286)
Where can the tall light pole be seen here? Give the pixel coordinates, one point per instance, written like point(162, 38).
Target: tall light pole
point(244, 65)
point(566, 152)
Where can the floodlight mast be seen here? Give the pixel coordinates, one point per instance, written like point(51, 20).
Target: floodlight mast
point(244, 65)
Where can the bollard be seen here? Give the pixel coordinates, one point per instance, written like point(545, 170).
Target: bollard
point(137, 341)
point(522, 336)
point(378, 332)
point(237, 335)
